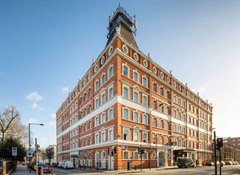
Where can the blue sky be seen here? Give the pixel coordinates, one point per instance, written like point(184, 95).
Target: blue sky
point(47, 46)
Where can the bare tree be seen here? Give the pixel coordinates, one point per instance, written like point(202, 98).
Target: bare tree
point(18, 131)
point(6, 119)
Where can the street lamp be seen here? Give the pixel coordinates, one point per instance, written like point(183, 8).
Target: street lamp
point(29, 139)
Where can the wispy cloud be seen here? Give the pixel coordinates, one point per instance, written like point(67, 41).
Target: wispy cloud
point(34, 96)
point(200, 89)
point(53, 115)
point(35, 106)
point(65, 89)
point(33, 120)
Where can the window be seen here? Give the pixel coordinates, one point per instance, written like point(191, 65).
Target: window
point(103, 136)
point(135, 76)
point(103, 97)
point(125, 155)
point(168, 95)
point(97, 121)
point(144, 119)
point(135, 155)
point(145, 156)
point(125, 114)
point(96, 103)
point(111, 114)
point(110, 93)
point(161, 91)
point(103, 79)
point(162, 124)
point(135, 96)
point(155, 122)
point(125, 92)
point(110, 135)
point(125, 71)
point(135, 117)
point(96, 85)
point(154, 87)
point(169, 126)
point(110, 72)
point(162, 109)
point(125, 134)
point(144, 82)
point(103, 118)
point(135, 135)
point(145, 100)
point(154, 104)
point(145, 137)
point(96, 138)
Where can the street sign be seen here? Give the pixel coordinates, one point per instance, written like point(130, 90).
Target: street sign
point(14, 151)
point(29, 153)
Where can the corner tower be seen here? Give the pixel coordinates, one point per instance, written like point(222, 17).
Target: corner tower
point(121, 22)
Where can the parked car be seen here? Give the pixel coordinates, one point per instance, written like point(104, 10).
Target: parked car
point(47, 168)
point(185, 162)
point(60, 165)
point(67, 165)
point(222, 163)
point(228, 163)
point(209, 163)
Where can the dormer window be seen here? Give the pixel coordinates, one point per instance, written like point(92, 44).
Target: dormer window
point(125, 49)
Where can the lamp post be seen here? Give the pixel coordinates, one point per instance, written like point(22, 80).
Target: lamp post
point(215, 151)
point(29, 140)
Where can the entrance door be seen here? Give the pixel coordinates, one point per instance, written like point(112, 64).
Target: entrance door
point(73, 162)
point(161, 158)
point(103, 161)
point(111, 163)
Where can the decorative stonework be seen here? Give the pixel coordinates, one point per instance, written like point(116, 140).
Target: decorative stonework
point(161, 75)
point(154, 69)
point(135, 56)
point(110, 50)
point(145, 63)
point(103, 60)
point(125, 48)
point(95, 68)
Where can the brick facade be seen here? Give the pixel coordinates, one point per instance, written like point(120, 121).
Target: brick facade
point(125, 100)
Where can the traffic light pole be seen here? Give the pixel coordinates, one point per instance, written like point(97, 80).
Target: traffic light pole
point(215, 152)
point(220, 157)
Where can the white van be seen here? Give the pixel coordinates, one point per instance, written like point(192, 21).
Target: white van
point(67, 165)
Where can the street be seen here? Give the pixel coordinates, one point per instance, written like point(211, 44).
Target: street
point(227, 170)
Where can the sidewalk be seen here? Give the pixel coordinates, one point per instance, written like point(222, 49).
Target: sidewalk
point(22, 170)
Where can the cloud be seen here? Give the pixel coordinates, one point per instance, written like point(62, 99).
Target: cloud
point(33, 120)
point(35, 106)
point(53, 115)
point(200, 89)
point(65, 89)
point(34, 96)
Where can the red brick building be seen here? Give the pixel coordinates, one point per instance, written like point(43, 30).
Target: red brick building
point(126, 100)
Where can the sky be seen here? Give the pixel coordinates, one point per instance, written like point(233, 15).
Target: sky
point(47, 46)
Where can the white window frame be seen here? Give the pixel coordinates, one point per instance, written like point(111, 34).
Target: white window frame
point(124, 154)
point(135, 153)
point(125, 86)
point(103, 115)
point(111, 87)
point(128, 70)
point(144, 76)
point(105, 99)
point(109, 136)
point(143, 119)
point(128, 131)
point(144, 132)
point(96, 138)
point(95, 85)
point(144, 95)
point(135, 131)
point(136, 91)
point(111, 109)
point(110, 67)
point(95, 100)
point(135, 72)
point(103, 139)
point(135, 112)
point(105, 79)
point(124, 108)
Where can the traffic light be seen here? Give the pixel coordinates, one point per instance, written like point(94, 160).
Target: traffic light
point(219, 142)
